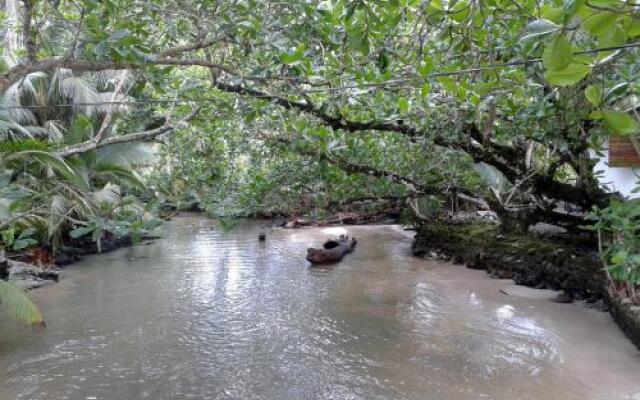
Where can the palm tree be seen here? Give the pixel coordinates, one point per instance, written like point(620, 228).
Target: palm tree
point(43, 112)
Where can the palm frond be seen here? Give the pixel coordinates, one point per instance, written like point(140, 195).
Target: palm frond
point(15, 146)
point(59, 206)
point(12, 130)
point(55, 131)
point(15, 302)
point(38, 151)
point(110, 103)
point(117, 173)
point(54, 94)
point(25, 91)
point(109, 194)
point(79, 92)
point(107, 80)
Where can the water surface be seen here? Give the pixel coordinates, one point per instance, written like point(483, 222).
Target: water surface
point(203, 314)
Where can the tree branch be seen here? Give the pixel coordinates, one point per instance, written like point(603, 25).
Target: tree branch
point(130, 137)
point(507, 159)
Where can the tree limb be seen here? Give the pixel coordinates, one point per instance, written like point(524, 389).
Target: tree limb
point(129, 137)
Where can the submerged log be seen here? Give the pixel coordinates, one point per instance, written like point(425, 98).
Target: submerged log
point(332, 251)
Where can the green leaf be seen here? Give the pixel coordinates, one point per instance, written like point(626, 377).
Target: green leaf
point(557, 55)
point(403, 105)
point(596, 115)
point(615, 5)
point(571, 7)
point(612, 37)
point(620, 123)
point(620, 257)
point(633, 29)
point(601, 22)
point(81, 130)
point(22, 244)
point(27, 233)
point(426, 89)
point(17, 304)
point(121, 34)
point(383, 61)
point(593, 93)
point(80, 232)
point(294, 56)
point(539, 28)
point(554, 14)
point(425, 67)
point(568, 76)
point(448, 84)
point(359, 40)
point(436, 5)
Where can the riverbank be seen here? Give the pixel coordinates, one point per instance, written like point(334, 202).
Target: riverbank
point(559, 262)
point(35, 268)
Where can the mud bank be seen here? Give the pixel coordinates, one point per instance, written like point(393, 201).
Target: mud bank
point(34, 269)
point(561, 263)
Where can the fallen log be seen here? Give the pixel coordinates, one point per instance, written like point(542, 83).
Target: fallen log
point(332, 251)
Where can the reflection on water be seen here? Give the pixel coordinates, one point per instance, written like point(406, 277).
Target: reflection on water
point(204, 314)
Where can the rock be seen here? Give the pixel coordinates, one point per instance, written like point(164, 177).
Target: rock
point(30, 282)
point(563, 298)
point(64, 259)
point(544, 229)
point(4, 266)
point(19, 270)
point(298, 222)
point(474, 216)
point(332, 251)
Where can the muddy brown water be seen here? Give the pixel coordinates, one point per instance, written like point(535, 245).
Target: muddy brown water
point(203, 314)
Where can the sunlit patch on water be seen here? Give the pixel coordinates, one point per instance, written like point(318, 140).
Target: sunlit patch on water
point(335, 231)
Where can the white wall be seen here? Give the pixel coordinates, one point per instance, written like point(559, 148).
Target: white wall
point(618, 179)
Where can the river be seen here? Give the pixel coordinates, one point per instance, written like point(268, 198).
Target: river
point(204, 314)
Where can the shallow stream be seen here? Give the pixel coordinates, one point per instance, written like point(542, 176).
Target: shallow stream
point(204, 314)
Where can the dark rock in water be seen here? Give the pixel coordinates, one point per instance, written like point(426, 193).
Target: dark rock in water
point(4, 266)
point(563, 298)
point(64, 259)
point(262, 236)
point(299, 222)
point(332, 251)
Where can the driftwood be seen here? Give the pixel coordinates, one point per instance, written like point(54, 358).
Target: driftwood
point(332, 251)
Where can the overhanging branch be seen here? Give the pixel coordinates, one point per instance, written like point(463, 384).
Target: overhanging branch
point(130, 137)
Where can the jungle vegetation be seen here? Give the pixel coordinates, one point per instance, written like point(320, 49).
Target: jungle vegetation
point(286, 107)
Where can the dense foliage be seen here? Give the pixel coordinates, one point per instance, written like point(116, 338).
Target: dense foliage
point(296, 106)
